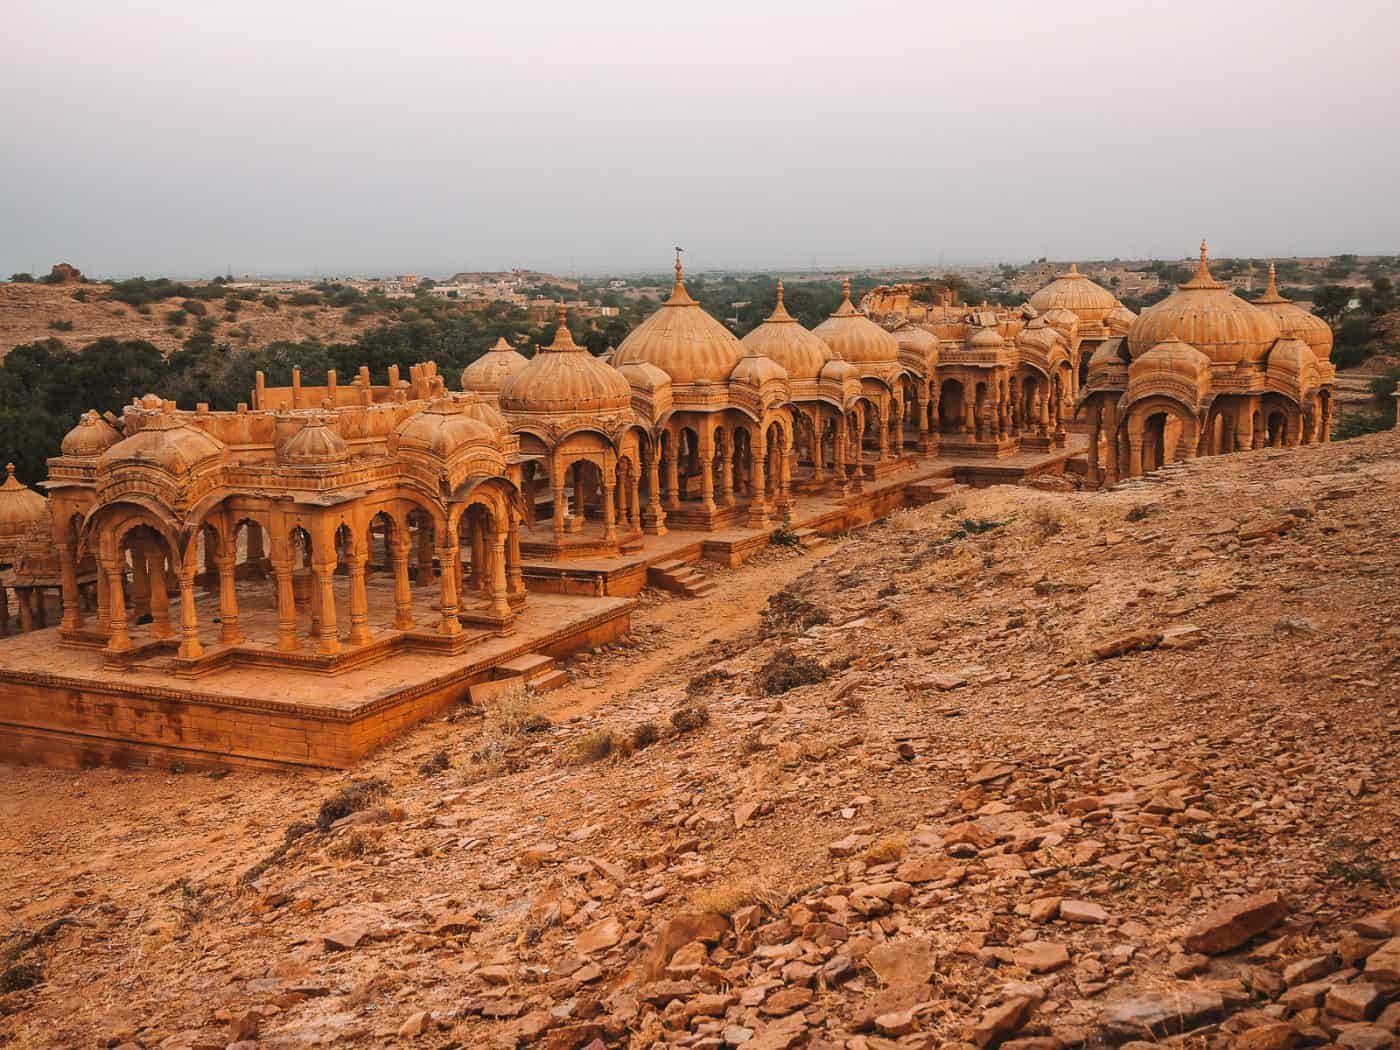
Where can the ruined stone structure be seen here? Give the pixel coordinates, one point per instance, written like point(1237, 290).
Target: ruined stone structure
point(1205, 372)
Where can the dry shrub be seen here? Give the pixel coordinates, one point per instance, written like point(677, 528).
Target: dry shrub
point(19, 976)
point(789, 611)
point(885, 850)
point(496, 751)
point(1047, 518)
point(591, 747)
point(727, 897)
point(644, 734)
point(706, 680)
point(358, 842)
point(1138, 512)
point(689, 717)
point(437, 763)
point(750, 743)
point(351, 799)
point(785, 670)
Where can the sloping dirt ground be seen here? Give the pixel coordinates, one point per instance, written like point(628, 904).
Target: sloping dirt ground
point(1045, 768)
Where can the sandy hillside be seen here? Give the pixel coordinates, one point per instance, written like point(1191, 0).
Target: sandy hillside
point(1030, 768)
point(27, 312)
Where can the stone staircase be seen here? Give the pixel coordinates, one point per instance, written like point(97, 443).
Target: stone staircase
point(680, 578)
point(931, 490)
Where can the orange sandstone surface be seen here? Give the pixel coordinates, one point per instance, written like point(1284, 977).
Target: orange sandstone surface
point(1033, 768)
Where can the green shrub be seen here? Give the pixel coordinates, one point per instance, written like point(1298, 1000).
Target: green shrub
point(21, 278)
point(176, 318)
point(272, 302)
point(61, 326)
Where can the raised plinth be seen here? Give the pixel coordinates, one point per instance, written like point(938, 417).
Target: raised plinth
point(59, 705)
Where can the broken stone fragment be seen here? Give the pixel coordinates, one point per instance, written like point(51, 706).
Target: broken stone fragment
point(1154, 1015)
point(1133, 641)
point(1083, 912)
point(1234, 923)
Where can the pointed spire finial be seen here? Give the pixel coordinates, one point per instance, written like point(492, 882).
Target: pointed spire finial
point(846, 288)
point(563, 314)
point(678, 264)
point(1273, 281)
point(1073, 267)
point(1205, 252)
point(10, 469)
point(780, 293)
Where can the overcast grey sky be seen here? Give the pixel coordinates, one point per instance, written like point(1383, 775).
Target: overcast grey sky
point(337, 136)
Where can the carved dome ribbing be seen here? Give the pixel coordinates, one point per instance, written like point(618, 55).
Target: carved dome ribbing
point(1293, 320)
point(1075, 292)
point(489, 372)
point(782, 338)
point(564, 378)
point(315, 445)
point(91, 437)
point(165, 441)
point(1206, 314)
point(856, 338)
point(21, 508)
point(683, 341)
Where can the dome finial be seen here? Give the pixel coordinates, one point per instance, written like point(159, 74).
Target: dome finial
point(1273, 282)
point(679, 279)
point(780, 293)
point(563, 314)
point(1205, 258)
point(1073, 267)
point(846, 289)
point(10, 469)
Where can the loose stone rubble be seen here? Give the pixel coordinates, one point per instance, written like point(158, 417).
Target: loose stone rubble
point(1191, 844)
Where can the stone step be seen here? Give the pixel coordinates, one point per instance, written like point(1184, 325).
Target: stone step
point(699, 590)
point(552, 680)
point(529, 667)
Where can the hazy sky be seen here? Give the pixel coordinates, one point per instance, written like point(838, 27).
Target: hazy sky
point(335, 137)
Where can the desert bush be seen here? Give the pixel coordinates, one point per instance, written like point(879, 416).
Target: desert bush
point(785, 670)
point(272, 302)
point(789, 610)
point(20, 975)
point(176, 318)
point(305, 299)
point(350, 799)
point(61, 325)
point(1046, 518)
point(725, 898)
point(689, 717)
point(706, 680)
point(591, 747)
point(644, 734)
point(1138, 512)
point(784, 536)
point(357, 843)
point(439, 762)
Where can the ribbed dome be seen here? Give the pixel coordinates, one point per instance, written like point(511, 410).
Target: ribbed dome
point(1060, 318)
point(1171, 356)
point(489, 372)
point(1206, 314)
point(441, 429)
point(784, 340)
point(1293, 320)
point(314, 445)
point(1294, 359)
point(1039, 337)
point(755, 369)
point(683, 341)
point(166, 442)
point(986, 339)
point(564, 378)
point(1119, 320)
point(20, 507)
point(91, 437)
point(855, 337)
point(919, 340)
point(839, 370)
point(1110, 354)
point(1073, 291)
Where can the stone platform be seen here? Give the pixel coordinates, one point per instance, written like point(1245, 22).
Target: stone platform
point(912, 481)
point(60, 706)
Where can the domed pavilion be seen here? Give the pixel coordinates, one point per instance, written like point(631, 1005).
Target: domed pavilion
point(1205, 372)
point(717, 415)
point(573, 416)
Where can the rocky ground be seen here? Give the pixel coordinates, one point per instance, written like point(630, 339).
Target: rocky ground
point(29, 312)
point(1026, 768)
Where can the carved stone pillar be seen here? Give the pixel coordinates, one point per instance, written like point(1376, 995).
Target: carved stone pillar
point(449, 624)
point(359, 599)
point(286, 604)
point(758, 505)
point(229, 631)
point(190, 649)
point(159, 595)
point(654, 517)
point(707, 473)
point(609, 508)
point(72, 600)
point(500, 595)
point(323, 585)
point(403, 591)
point(673, 478)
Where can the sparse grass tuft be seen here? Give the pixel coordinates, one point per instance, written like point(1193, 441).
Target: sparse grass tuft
point(591, 747)
point(725, 898)
point(784, 536)
point(359, 842)
point(1048, 519)
point(438, 762)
